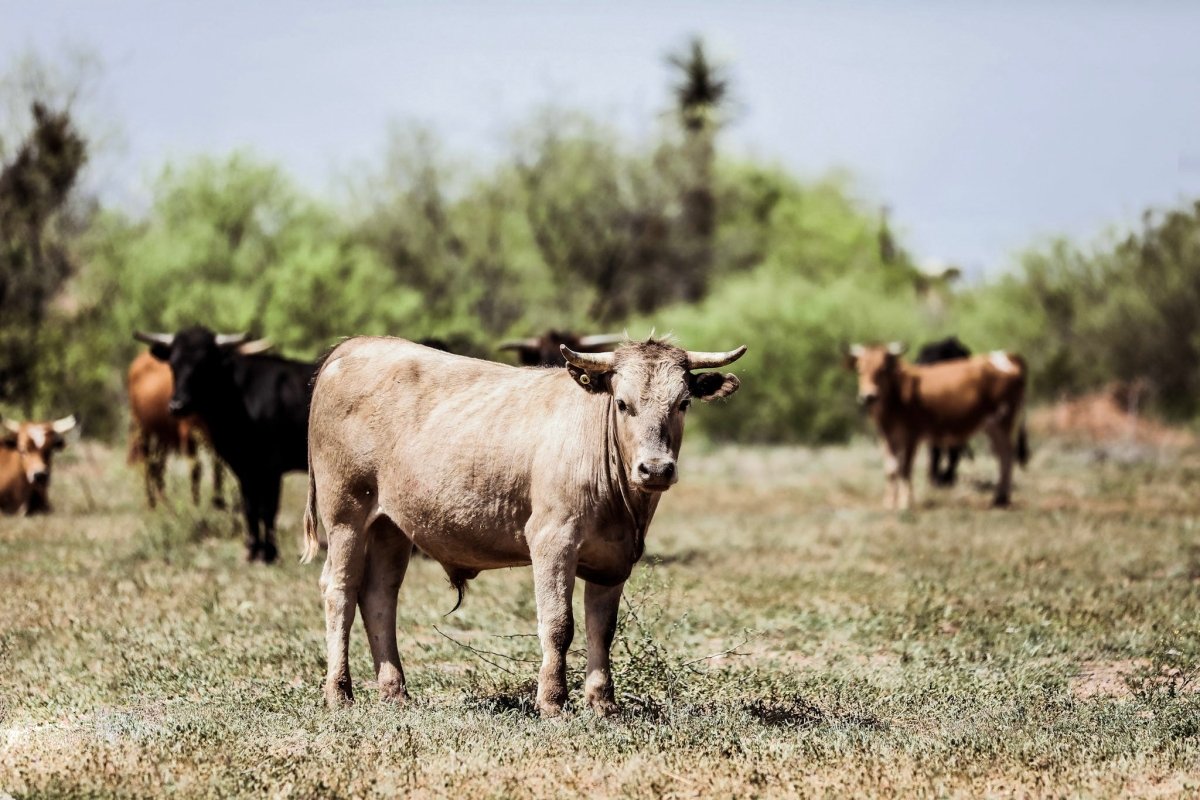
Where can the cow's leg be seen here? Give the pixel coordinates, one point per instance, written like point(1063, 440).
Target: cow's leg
point(953, 455)
point(388, 551)
point(600, 616)
point(156, 468)
point(250, 493)
point(341, 579)
point(1000, 435)
point(935, 465)
point(906, 457)
point(268, 510)
point(193, 454)
point(891, 468)
point(553, 553)
point(218, 480)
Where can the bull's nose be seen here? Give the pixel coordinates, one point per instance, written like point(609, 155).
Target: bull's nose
point(657, 470)
point(175, 407)
point(867, 399)
point(41, 478)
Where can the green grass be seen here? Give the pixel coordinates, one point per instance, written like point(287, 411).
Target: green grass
point(783, 636)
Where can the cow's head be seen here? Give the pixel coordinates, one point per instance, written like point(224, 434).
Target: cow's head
point(545, 350)
point(876, 368)
point(650, 386)
point(35, 443)
point(198, 359)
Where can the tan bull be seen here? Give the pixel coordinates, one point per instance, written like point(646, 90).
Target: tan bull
point(26, 452)
point(485, 466)
point(944, 403)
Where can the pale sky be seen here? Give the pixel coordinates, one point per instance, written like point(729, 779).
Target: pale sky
point(985, 125)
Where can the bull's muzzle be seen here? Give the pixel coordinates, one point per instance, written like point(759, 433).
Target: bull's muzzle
point(39, 477)
point(867, 400)
point(657, 474)
point(177, 408)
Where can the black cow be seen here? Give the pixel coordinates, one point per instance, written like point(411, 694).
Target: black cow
point(544, 350)
point(948, 349)
point(255, 408)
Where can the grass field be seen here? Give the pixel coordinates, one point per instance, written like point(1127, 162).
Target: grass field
point(784, 636)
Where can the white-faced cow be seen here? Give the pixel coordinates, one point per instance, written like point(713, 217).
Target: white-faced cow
point(485, 466)
point(943, 403)
point(546, 350)
point(26, 451)
point(255, 409)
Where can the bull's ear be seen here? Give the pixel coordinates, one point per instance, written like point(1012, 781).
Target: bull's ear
point(709, 386)
point(590, 381)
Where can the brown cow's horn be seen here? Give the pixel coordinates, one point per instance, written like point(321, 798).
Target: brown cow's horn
point(61, 426)
point(857, 350)
point(601, 340)
point(713, 360)
point(517, 344)
point(255, 347)
point(154, 338)
point(896, 348)
point(590, 362)
point(231, 339)
point(12, 425)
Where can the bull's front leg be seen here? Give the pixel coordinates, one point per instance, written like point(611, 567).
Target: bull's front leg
point(601, 604)
point(891, 468)
point(554, 554)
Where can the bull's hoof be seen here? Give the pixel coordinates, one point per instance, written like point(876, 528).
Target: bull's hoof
point(338, 697)
point(269, 553)
point(603, 707)
point(1001, 502)
point(253, 551)
point(219, 503)
point(549, 710)
point(394, 693)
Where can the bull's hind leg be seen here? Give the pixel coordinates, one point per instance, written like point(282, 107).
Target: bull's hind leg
point(341, 580)
point(388, 551)
point(600, 613)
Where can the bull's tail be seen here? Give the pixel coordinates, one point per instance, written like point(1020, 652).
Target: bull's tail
point(1022, 444)
point(312, 544)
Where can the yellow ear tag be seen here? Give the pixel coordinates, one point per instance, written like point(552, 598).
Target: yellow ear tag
point(584, 379)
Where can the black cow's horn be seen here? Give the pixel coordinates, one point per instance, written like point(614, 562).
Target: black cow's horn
point(12, 425)
point(61, 426)
point(518, 344)
point(255, 347)
point(231, 339)
point(154, 338)
point(699, 360)
point(591, 362)
point(600, 340)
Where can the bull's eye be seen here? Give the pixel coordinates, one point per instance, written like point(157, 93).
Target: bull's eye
point(621, 406)
point(683, 406)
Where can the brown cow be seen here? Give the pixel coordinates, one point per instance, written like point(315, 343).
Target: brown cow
point(486, 466)
point(154, 433)
point(26, 450)
point(944, 403)
point(545, 350)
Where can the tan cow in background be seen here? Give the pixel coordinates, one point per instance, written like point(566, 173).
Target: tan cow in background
point(944, 403)
point(485, 466)
point(26, 452)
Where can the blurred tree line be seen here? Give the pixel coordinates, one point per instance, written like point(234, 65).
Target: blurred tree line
point(577, 227)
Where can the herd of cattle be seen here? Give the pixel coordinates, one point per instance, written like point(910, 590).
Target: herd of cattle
point(482, 465)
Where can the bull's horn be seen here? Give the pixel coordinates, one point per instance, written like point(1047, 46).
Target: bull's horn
point(591, 362)
point(154, 338)
point(699, 360)
point(12, 426)
point(600, 340)
point(231, 339)
point(897, 348)
point(857, 350)
point(61, 426)
point(255, 347)
point(517, 344)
